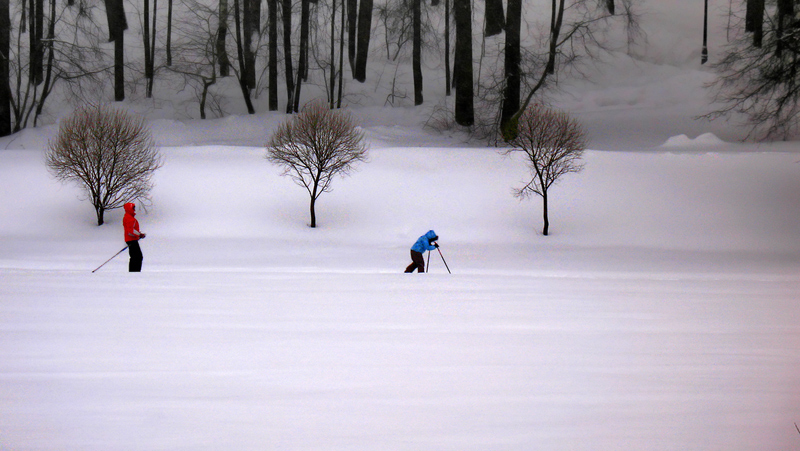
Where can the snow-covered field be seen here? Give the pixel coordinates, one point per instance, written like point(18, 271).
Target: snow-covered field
point(662, 313)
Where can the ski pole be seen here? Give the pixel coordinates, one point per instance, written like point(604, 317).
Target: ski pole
point(428, 267)
point(112, 258)
point(445, 261)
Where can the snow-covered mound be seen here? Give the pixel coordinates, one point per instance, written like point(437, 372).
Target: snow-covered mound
point(705, 140)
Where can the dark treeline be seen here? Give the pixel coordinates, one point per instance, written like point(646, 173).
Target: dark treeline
point(494, 56)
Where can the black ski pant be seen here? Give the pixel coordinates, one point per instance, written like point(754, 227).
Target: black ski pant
point(135, 264)
point(417, 262)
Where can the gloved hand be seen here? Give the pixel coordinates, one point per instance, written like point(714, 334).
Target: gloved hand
point(436, 245)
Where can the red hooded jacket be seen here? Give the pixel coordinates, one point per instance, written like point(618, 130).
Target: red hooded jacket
point(130, 224)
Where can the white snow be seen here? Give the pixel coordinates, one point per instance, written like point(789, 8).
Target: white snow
point(661, 314)
point(703, 141)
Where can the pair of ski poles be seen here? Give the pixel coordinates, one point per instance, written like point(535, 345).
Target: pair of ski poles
point(429, 259)
point(440, 254)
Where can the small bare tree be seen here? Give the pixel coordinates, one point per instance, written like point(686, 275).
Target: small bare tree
point(316, 145)
point(553, 143)
point(109, 152)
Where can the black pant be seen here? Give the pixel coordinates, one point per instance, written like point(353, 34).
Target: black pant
point(417, 262)
point(135, 265)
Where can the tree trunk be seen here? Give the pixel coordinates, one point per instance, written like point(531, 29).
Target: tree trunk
point(758, 31)
point(352, 17)
point(206, 84)
point(447, 76)
point(704, 53)
point(555, 31)
point(364, 33)
point(301, 63)
point(242, 82)
point(494, 18)
point(119, 68)
point(222, 36)
point(464, 109)
point(47, 88)
point(785, 24)
point(341, 58)
point(117, 21)
point(146, 39)
point(546, 227)
point(417, 51)
point(754, 21)
point(117, 24)
point(313, 213)
point(286, 11)
point(5, 47)
point(100, 211)
point(332, 92)
point(251, 23)
point(152, 70)
point(511, 91)
point(169, 33)
point(314, 196)
point(36, 32)
point(510, 130)
point(272, 7)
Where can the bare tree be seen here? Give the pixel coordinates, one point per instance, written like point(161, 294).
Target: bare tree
point(73, 58)
point(109, 153)
point(197, 44)
point(316, 145)
point(575, 26)
point(553, 144)
point(762, 81)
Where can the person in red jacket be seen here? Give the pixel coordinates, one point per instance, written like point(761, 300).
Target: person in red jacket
point(132, 237)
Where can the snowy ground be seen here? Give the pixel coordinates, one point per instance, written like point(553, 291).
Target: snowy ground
point(661, 314)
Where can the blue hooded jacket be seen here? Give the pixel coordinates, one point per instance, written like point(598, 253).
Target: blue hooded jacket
point(424, 242)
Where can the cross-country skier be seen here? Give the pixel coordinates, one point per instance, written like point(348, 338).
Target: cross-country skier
point(132, 237)
point(426, 242)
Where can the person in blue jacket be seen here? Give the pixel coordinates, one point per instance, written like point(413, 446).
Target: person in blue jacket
point(426, 242)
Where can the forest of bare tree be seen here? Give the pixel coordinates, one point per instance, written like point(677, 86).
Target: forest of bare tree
point(487, 60)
